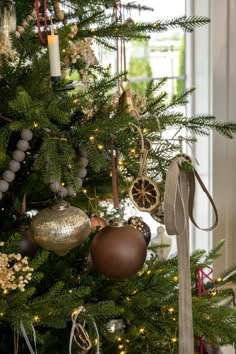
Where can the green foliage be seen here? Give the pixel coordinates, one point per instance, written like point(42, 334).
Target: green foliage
point(90, 118)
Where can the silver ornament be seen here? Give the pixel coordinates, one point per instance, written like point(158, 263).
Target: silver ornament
point(14, 166)
point(71, 192)
point(3, 186)
point(60, 228)
point(22, 145)
point(83, 162)
point(26, 134)
point(82, 172)
point(55, 187)
point(18, 155)
point(8, 176)
point(63, 192)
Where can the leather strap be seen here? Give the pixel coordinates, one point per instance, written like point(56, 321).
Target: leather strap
point(178, 209)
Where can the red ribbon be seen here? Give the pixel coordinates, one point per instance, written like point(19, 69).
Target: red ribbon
point(38, 20)
point(200, 276)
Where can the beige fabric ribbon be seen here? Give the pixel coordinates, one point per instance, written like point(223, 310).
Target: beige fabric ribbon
point(178, 208)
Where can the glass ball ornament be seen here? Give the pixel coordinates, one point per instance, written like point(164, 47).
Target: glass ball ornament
point(27, 246)
point(97, 223)
point(116, 326)
point(138, 223)
point(118, 250)
point(60, 227)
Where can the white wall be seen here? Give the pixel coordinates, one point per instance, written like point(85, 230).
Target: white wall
point(223, 14)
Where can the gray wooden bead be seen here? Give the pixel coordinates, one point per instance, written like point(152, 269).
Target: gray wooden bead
point(83, 162)
point(14, 166)
point(8, 176)
point(26, 134)
point(78, 182)
point(71, 191)
point(83, 152)
point(63, 192)
point(18, 155)
point(3, 186)
point(22, 145)
point(82, 172)
point(55, 186)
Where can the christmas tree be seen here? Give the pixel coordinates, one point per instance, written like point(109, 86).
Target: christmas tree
point(69, 149)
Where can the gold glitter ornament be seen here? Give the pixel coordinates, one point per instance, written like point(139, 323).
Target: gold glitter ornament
point(60, 228)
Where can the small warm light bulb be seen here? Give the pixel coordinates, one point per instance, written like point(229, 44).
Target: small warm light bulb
point(36, 318)
point(134, 292)
point(176, 278)
point(154, 24)
point(127, 340)
point(100, 147)
point(171, 309)
point(174, 319)
point(128, 298)
point(173, 340)
point(149, 272)
point(119, 339)
point(1, 314)
point(132, 151)
point(123, 352)
point(75, 100)
point(92, 138)
point(145, 130)
point(142, 330)
point(35, 125)
point(110, 174)
point(70, 291)
point(219, 279)
point(120, 346)
point(214, 293)
point(2, 209)
point(84, 191)
point(62, 184)
point(121, 163)
point(5, 291)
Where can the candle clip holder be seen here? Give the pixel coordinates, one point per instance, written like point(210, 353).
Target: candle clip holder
point(59, 84)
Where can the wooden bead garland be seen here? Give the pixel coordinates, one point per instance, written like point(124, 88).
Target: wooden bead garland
point(18, 155)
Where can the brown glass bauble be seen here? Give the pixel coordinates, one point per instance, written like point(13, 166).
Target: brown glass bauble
point(118, 251)
point(97, 223)
point(141, 226)
point(60, 228)
point(27, 246)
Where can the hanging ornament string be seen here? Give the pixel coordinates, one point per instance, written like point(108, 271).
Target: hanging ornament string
point(32, 351)
point(200, 275)
point(143, 152)
point(178, 206)
point(114, 160)
point(38, 20)
point(79, 333)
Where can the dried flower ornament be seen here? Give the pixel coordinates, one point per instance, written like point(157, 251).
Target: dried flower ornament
point(15, 272)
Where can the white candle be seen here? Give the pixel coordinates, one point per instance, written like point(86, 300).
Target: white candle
point(54, 54)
